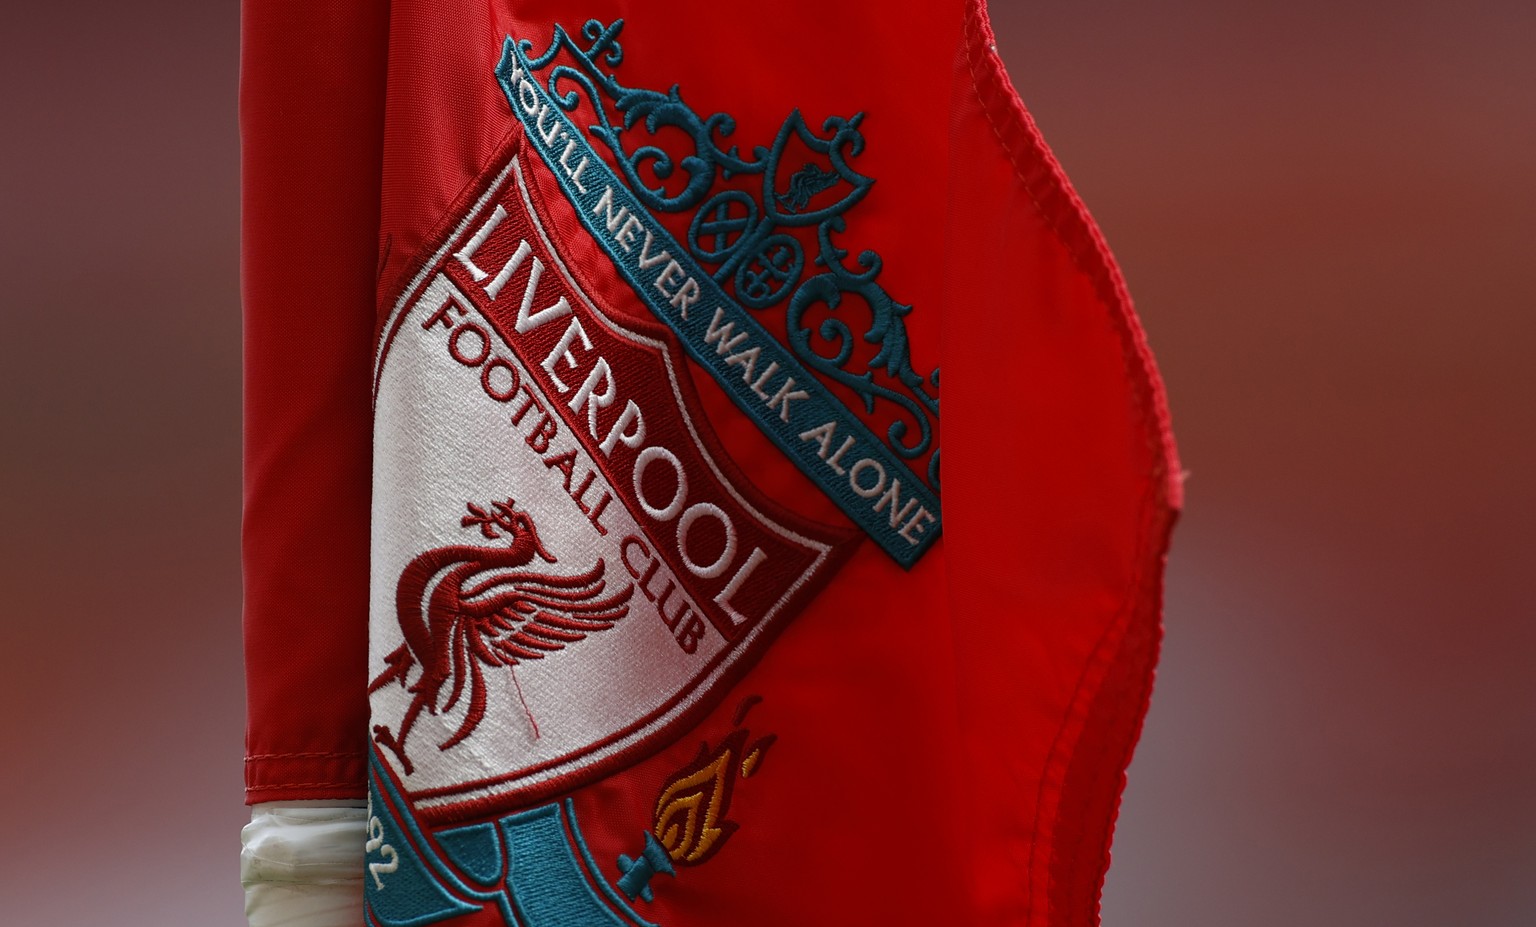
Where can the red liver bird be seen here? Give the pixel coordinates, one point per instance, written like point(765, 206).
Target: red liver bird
point(462, 608)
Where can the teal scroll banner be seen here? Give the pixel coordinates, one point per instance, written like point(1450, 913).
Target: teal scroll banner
point(832, 446)
point(533, 867)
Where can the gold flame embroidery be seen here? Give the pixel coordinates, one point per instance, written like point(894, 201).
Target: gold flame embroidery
point(691, 810)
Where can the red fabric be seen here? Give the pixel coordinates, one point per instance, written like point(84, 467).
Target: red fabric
point(951, 739)
point(311, 113)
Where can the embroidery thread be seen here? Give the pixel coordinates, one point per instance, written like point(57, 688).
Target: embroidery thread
point(482, 609)
point(690, 824)
point(750, 253)
point(784, 384)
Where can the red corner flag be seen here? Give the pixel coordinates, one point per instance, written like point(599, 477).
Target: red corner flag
point(610, 528)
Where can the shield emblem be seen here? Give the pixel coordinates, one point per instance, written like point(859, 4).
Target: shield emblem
point(566, 565)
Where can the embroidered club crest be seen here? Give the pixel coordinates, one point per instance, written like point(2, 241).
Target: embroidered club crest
point(568, 569)
point(626, 577)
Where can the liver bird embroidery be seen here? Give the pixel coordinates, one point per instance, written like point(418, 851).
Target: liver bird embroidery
point(804, 184)
point(466, 609)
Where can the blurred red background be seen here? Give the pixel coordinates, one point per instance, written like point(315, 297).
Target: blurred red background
point(1325, 213)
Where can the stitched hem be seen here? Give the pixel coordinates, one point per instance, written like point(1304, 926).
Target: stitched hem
point(1068, 219)
point(305, 775)
point(1064, 214)
point(253, 757)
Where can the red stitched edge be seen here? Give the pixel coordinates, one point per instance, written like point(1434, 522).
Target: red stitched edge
point(1118, 657)
point(252, 757)
point(269, 776)
point(304, 785)
point(1068, 219)
point(1095, 769)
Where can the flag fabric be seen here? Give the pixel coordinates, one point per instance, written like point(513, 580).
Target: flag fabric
point(597, 530)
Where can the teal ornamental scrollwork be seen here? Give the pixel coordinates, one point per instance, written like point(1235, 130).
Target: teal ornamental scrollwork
point(743, 238)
